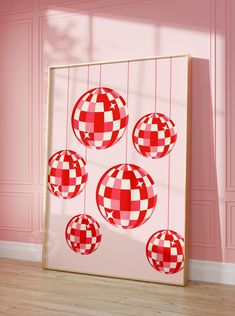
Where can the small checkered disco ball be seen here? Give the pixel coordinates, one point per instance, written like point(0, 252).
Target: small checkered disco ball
point(67, 174)
point(154, 135)
point(126, 196)
point(165, 251)
point(83, 234)
point(99, 118)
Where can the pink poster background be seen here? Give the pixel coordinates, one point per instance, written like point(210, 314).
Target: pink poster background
point(37, 33)
point(121, 252)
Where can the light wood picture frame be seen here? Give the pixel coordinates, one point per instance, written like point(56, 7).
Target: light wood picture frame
point(157, 84)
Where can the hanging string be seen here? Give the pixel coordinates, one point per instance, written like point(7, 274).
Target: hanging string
point(169, 155)
point(155, 88)
point(67, 108)
point(100, 75)
point(127, 102)
point(84, 201)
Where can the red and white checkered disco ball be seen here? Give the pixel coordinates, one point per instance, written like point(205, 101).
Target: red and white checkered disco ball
point(154, 135)
point(67, 174)
point(99, 118)
point(126, 196)
point(165, 251)
point(83, 234)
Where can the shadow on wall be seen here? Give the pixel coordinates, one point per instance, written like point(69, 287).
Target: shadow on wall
point(205, 228)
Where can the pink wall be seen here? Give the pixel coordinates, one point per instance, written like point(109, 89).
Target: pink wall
point(38, 33)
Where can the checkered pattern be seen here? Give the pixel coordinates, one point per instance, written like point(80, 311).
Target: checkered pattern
point(165, 251)
point(83, 234)
point(126, 196)
point(154, 135)
point(99, 118)
point(67, 175)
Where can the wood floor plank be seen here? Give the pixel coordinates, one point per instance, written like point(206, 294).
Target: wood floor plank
point(26, 289)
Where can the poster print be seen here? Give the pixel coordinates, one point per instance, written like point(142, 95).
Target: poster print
point(117, 179)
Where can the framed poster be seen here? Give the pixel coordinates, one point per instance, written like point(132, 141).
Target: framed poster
point(117, 171)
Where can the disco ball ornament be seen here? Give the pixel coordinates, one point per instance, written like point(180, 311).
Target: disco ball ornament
point(126, 196)
point(165, 251)
point(154, 135)
point(83, 234)
point(100, 118)
point(67, 174)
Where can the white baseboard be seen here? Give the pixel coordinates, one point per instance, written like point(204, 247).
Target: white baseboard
point(209, 271)
point(21, 251)
point(212, 271)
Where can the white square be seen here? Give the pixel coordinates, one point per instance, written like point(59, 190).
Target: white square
point(99, 107)
point(119, 175)
point(82, 126)
point(72, 173)
point(72, 238)
point(116, 125)
point(167, 141)
point(119, 102)
point(143, 126)
point(154, 256)
point(110, 182)
point(140, 141)
point(161, 134)
point(167, 243)
point(108, 116)
point(124, 222)
point(134, 215)
point(125, 184)
point(98, 143)
point(93, 240)
point(88, 246)
point(143, 205)
point(160, 149)
point(88, 233)
point(136, 133)
point(71, 188)
point(154, 127)
point(173, 251)
point(78, 180)
point(107, 135)
point(85, 96)
point(135, 195)
point(107, 203)
point(180, 258)
point(101, 189)
point(110, 96)
point(65, 165)
point(173, 264)
point(52, 180)
point(77, 114)
point(94, 98)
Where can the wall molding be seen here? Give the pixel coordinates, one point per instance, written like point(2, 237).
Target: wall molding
point(29, 227)
point(29, 23)
point(210, 204)
point(230, 243)
point(208, 271)
point(26, 9)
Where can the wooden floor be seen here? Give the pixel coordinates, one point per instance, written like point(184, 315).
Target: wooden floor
point(26, 289)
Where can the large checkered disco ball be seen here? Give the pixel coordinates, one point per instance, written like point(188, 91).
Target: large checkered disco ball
point(67, 174)
point(99, 118)
point(126, 196)
point(83, 234)
point(154, 135)
point(165, 251)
